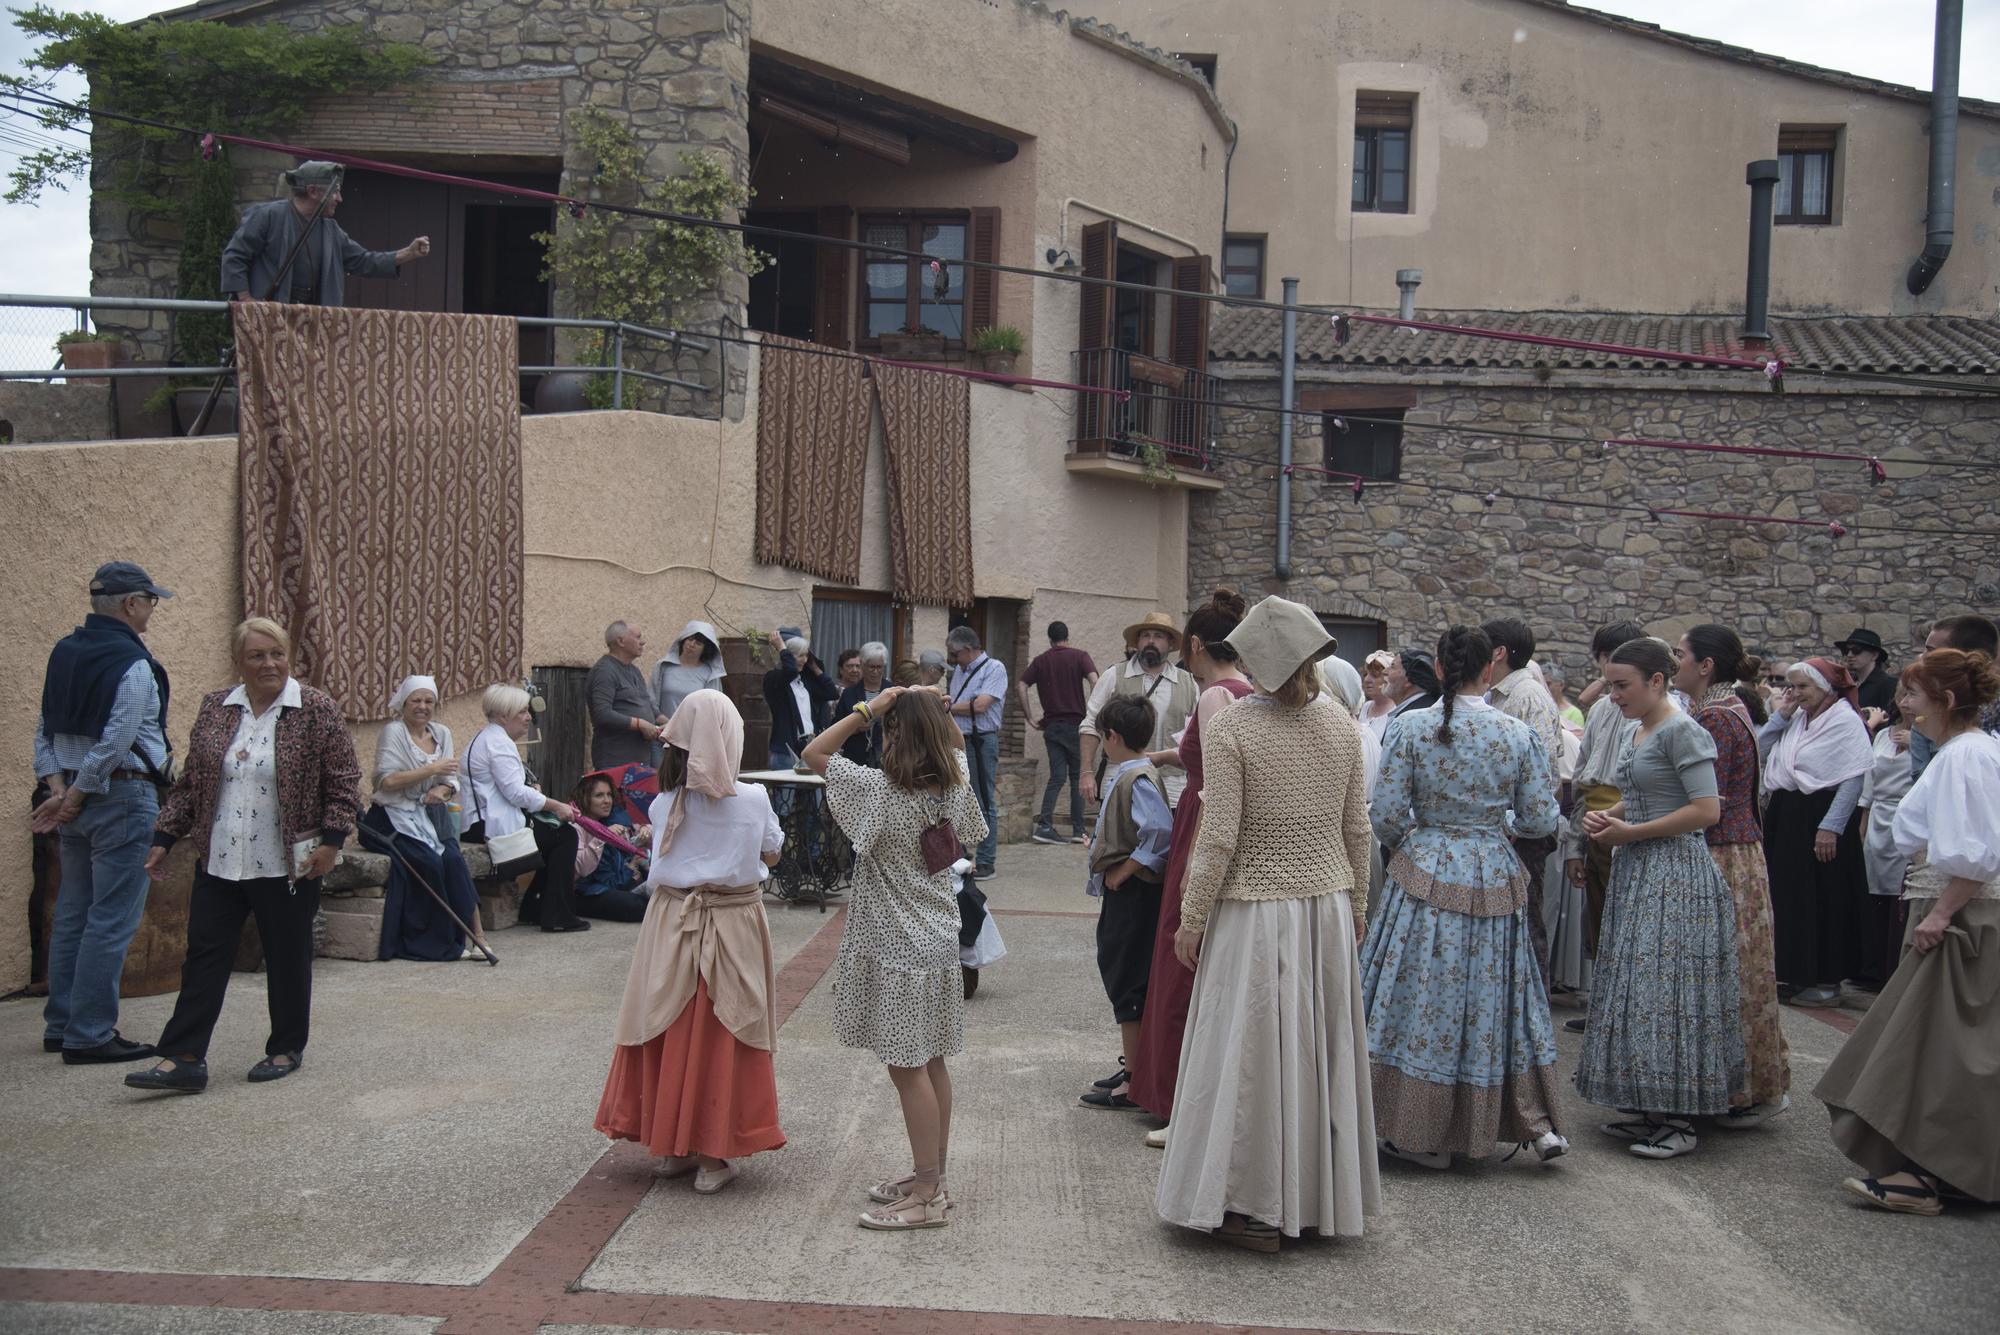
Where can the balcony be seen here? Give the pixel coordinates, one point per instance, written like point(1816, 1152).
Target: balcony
point(1160, 434)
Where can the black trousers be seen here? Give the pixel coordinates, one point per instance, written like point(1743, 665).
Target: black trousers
point(216, 911)
point(614, 905)
point(1127, 918)
point(551, 897)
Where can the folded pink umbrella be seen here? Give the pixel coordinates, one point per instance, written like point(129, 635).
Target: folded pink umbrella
point(610, 837)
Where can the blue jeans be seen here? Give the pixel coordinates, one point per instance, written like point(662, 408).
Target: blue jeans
point(982, 756)
point(1065, 767)
point(98, 908)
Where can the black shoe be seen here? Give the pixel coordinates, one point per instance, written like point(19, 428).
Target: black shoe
point(1046, 834)
point(117, 1048)
point(1109, 1099)
point(1574, 1026)
point(1115, 1079)
point(178, 1078)
point(982, 873)
point(971, 979)
point(51, 1044)
point(578, 925)
point(268, 1069)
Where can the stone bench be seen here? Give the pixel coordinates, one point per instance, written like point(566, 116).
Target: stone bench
point(351, 901)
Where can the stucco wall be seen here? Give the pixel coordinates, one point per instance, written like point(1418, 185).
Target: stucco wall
point(1561, 164)
point(626, 515)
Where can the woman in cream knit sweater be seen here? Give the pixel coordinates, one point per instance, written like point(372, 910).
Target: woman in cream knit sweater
point(1271, 913)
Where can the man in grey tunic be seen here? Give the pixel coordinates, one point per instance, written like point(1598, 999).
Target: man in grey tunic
point(318, 276)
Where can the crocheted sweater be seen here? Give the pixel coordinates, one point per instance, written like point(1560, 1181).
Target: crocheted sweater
point(1283, 816)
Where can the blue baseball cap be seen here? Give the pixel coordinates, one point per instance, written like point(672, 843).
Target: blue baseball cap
point(121, 577)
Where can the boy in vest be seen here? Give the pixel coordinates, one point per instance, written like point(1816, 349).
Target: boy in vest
point(1128, 856)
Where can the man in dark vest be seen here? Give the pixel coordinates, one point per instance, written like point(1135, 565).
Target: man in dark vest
point(318, 276)
point(101, 748)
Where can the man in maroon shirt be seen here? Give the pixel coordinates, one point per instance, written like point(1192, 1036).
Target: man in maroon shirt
point(1063, 678)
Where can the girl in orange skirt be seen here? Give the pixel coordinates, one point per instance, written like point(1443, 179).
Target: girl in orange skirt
point(691, 1079)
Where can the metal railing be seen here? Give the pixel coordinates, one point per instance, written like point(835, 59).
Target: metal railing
point(1167, 414)
point(623, 341)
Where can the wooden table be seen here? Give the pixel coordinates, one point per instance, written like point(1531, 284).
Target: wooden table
point(816, 861)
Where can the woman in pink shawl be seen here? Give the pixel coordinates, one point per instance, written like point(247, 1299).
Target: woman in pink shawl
point(691, 1079)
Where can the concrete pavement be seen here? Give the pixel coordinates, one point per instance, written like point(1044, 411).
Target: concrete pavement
point(433, 1168)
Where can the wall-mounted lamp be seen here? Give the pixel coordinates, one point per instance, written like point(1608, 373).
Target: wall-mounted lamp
point(1062, 261)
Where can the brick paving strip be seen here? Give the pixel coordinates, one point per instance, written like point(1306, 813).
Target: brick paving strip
point(536, 1284)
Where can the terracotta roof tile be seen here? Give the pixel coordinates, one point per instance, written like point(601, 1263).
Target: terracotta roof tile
point(1904, 344)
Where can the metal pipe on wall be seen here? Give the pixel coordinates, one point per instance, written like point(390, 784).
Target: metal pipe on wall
point(1288, 355)
point(1762, 178)
point(1942, 198)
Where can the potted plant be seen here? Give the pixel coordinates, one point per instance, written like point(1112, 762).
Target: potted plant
point(82, 350)
point(913, 343)
point(997, 348)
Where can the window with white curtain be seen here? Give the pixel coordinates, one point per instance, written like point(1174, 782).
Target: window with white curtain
point(1806, 156)
point(840, 624)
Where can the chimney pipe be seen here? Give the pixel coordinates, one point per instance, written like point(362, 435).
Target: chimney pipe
point(1288, 353)
point(1762, 177)
point(1406, 282)
point(1944, 148)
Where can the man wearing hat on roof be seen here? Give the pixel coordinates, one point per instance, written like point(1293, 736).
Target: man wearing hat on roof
point(101, 748)
point(318, 276)
point(1170, 690)
point(1868, 663)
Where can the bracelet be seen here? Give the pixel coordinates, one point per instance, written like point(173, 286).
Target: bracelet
point(861, 708)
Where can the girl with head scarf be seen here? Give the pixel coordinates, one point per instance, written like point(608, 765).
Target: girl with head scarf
point(692, 1078)
point(410, 817)
point(1816, 754)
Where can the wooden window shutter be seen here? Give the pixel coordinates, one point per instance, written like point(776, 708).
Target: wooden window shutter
point(835, 276)
point(1384, 111)
point(1187, 339)
point(1802, 140)
point(1096, 363)
point(982, 286)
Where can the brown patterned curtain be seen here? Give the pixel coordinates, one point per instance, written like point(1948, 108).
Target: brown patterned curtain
point(380, 457)
point(812, 451)
point(927, 438)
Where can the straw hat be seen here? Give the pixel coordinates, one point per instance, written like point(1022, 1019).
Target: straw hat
point(1159, 621)
point(1276, 638)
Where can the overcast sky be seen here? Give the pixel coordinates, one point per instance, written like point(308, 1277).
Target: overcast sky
point(45, 248)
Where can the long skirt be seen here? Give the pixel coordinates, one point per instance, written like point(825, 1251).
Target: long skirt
point(1918, 1081)
point(1565, 913)
point(414, 925)
point(1816, 907)
point(1665, 1032)
point(1460, 1042)
point(694, 1089)
point(1273, 1118)
point(1156, 1062)
point(1766, 1058)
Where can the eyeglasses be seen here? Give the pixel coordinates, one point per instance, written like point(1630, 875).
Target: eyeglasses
point(1775, 681)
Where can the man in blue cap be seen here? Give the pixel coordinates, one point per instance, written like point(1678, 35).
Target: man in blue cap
point(101, 749)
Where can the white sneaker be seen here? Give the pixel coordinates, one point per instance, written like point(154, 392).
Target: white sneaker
point(1742, 1119)
point(1421, 1158)
point(710, 1181)
point(1549, 1146)
point(1157, 1139)
point(1672, 1137)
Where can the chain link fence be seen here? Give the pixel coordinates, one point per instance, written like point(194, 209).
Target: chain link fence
point(28, 335)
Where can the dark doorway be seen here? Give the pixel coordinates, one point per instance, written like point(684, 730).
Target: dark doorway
point(1133, 319)
point(783, 295)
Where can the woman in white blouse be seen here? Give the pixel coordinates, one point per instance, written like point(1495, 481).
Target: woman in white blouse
point(503, 799)
point(1915, 1093)
point(416, 777)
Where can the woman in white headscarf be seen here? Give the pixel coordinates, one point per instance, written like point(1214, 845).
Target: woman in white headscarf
point(416, 781)
point(692, 1079)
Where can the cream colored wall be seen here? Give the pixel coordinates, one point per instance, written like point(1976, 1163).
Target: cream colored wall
point(1099, 131)
point(1560, 164)
point(670, 540)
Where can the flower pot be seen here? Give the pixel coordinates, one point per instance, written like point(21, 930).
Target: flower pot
point(221, 419)
point(997, 362)
point(93, 355)
point(563, 392)
point(913, 347)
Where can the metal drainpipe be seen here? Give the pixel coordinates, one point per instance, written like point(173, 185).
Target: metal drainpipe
point(1944, 148)
point(1762, 177)
point(1288, 353)
point(1407, 283)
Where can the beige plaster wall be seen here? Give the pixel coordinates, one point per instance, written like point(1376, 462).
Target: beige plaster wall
point(1561, 164)
point(626, 515)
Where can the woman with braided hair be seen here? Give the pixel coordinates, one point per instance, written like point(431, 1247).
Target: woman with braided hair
point(1461, 1047)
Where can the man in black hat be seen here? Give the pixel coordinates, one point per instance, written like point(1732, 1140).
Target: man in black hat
point(318, 276)
point(1868, 664)
point(101, 749)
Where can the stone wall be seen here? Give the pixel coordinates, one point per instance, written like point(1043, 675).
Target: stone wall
point(1420, 559)
point(34, 412)
point(677, 71)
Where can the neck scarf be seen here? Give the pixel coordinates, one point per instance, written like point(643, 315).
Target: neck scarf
point(1827, 750)
point(709, 729)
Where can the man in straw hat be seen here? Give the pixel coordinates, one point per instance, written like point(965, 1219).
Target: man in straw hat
point(318, 276)
point(1170, 690)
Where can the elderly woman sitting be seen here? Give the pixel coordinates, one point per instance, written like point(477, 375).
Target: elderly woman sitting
point(416, 778)
point(605, 872)
point(505, 800)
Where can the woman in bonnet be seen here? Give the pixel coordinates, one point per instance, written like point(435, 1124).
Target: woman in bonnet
point(416, 779)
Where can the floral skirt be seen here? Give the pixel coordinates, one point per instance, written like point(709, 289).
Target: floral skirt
point(1766, 1060)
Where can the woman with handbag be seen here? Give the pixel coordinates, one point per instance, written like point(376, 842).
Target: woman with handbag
point(522, 829)
point(692, 1078)
point(897, 985)
point(268, 794)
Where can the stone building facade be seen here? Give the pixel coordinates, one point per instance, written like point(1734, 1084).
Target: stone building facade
point(1416, 558)
point(506, 73)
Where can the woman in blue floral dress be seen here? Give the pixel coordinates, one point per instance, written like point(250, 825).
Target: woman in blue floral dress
point(1460, 1041)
